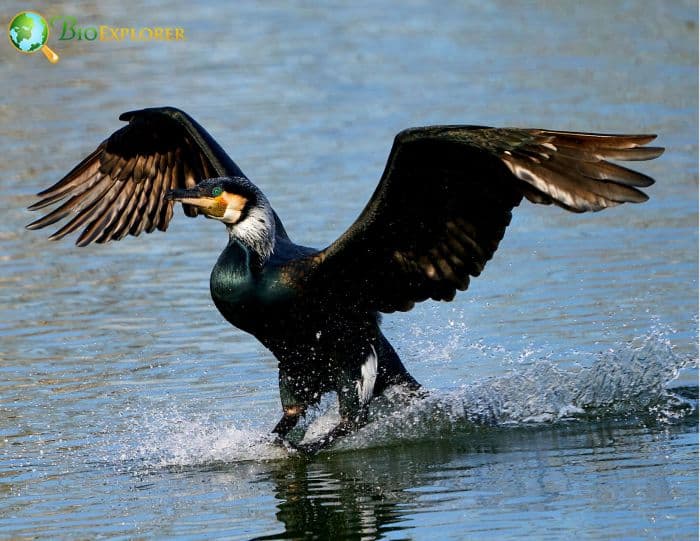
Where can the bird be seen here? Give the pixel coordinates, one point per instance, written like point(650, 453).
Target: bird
point(436, 217)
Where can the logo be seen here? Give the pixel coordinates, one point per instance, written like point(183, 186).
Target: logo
point(29, 32)
point(69, 30)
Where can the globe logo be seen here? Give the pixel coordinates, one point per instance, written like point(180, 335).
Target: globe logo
point(29, 32)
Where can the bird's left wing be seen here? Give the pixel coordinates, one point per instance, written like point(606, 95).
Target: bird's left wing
point(445, 200)
point(119, 189)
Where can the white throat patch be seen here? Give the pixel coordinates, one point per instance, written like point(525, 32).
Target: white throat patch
point(257, 229)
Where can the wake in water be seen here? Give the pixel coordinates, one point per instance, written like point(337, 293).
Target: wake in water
point(625, 384)
point(630, 383)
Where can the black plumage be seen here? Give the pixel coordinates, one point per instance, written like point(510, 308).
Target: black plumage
point(437, 216)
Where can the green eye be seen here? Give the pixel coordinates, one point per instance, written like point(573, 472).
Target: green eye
point(216, 192)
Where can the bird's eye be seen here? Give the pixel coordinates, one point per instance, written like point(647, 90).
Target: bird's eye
point(217, 191)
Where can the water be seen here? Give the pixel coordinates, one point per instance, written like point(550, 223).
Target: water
point(129, 409)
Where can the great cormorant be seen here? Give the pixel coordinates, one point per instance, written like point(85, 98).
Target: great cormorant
point(435, 219)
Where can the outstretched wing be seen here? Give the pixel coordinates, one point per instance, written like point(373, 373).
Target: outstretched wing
point(119, 189)
point(445, 200)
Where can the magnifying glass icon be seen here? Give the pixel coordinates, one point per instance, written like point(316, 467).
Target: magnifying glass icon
point(29, 32)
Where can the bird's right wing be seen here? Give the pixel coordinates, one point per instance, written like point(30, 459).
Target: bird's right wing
point(119, 189)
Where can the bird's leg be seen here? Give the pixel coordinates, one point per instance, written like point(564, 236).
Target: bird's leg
point(289, 420)
point(343, 428)
point(294, 403)
point(353, 416)
point(355, 391)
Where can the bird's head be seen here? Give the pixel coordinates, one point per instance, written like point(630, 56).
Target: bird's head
point(239, 204)
point(225, 199)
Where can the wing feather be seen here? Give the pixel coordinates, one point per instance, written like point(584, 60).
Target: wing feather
point(83, 212)
point(114, 212)
point(82, 202)
point(155, 206)
point(130, 215)
point(101, 214)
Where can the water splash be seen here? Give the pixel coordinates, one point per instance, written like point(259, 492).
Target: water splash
point(173, 439)
point(629, 383)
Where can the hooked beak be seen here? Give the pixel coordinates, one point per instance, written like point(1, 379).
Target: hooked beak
point(189, 197)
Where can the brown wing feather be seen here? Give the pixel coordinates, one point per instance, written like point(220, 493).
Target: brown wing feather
point(119, 188)
point(445, 200)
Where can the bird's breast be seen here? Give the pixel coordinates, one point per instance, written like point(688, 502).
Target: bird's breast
point(256, 302)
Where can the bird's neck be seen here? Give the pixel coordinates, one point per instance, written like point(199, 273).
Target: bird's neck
point(257, 233)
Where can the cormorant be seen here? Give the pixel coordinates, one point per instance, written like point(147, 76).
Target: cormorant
point(435, 219)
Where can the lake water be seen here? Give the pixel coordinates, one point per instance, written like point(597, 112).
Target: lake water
point(130, 409)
